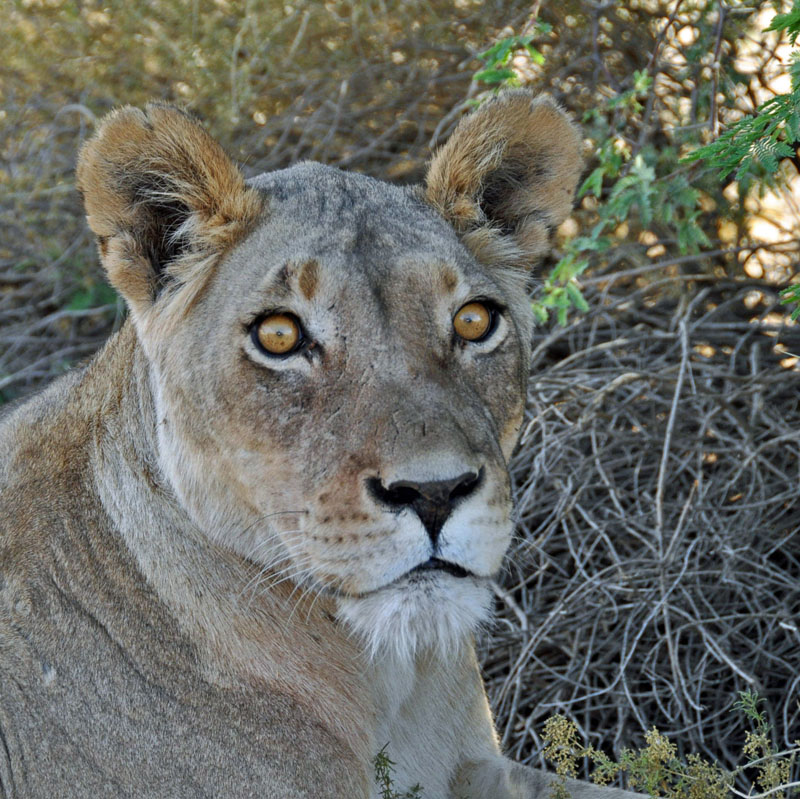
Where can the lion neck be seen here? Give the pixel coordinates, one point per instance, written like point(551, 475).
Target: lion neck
point(247, 633)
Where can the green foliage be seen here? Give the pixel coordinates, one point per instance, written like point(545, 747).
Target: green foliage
point(772, 772)
point(657, 770)
point(496, 59)
point(562, 748)
point(753, 147)
point(646, 185)
point(788, 22)
point(383, 778)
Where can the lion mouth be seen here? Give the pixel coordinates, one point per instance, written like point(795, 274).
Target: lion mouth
point(416, 574)
point(437, 564)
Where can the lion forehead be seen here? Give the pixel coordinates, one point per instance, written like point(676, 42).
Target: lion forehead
point(320, 208)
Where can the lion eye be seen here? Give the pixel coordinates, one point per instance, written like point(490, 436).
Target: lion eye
point(474, 321)
point(278, 334)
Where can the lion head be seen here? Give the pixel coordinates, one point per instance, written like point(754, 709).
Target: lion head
point(338, 365)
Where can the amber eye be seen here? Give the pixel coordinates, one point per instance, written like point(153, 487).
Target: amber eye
point(278, 334)
point(473, 321)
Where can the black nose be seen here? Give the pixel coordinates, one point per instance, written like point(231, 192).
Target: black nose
point(432, 502)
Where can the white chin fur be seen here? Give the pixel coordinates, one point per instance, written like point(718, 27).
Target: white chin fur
point(418, 613)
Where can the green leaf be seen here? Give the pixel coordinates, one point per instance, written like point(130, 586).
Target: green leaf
point(789, 22)
point(756, 141)
point(691, 237)
point(535, 55)
point(494, 76)
point(591, 243)
point(498, 51)
point(593, 183)
point(641, 81)
point(577, 298)
point(637, 187)
point(565, 270)
point(540, 312)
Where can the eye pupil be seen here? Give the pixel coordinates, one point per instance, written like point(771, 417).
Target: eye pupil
point(473, 321)
point(279, 333)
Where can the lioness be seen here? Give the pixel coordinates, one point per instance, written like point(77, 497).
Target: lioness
point(247, 545)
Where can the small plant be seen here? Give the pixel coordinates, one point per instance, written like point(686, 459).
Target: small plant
point(657, 770)
point(562, 748)
point(496, 70)
point(383, 778)
point(773, 772)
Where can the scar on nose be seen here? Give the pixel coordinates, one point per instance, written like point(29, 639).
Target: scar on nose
point(308, 279)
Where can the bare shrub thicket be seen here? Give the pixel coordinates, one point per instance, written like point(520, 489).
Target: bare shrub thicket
point(656, 573)
point(657, 568)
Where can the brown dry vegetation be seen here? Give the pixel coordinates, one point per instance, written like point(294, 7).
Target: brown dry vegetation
point(657, 570)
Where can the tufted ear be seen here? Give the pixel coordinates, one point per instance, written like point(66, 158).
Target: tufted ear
point(507, 177)
point(164, 201)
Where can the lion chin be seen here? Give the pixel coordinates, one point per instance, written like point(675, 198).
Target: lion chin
point(421, 612)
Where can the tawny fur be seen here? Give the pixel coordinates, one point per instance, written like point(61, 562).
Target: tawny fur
point(154, 179)
point(200, 594)
point(507, 176)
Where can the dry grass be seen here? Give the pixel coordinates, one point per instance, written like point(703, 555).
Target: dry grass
point(657, 568)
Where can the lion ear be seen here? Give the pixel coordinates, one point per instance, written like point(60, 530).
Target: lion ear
point(163, 199)
point(507, 177)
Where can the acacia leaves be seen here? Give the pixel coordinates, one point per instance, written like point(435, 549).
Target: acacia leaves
point(753, 147)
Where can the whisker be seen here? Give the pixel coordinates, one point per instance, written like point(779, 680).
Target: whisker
point(280, 567)
point(313, 602)
point(268, 576)
point(273, 535)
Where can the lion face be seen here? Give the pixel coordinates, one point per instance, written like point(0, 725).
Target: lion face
point(369, 459)
point(338, 365)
